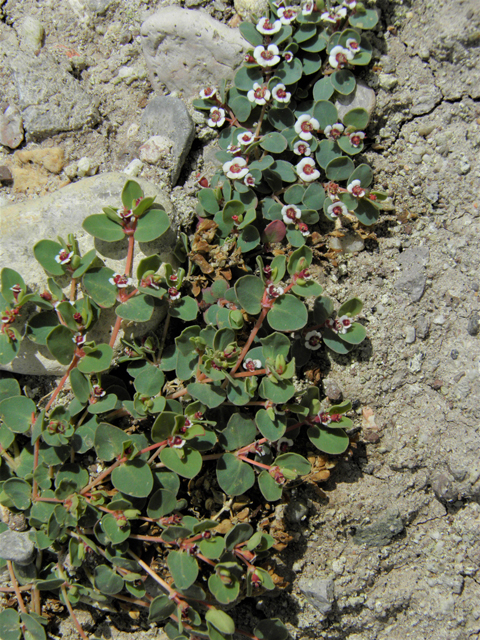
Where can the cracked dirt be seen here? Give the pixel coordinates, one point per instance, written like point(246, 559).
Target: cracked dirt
point(397, 529)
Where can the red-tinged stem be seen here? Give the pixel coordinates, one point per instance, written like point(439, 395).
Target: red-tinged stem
point(202, 557)
point(72, 614)
point(36, 452)
point(13, 578)
point(134, 536)
point(73, 290)
point(26, 587)
point(173, 594)
point(103, 475)
point(240, 555)
point(139, 603)
point(62, 382)
point(56, 500)
point(131, 246)
point(247, 374)
point(157, 452)
point(116, 329)
point(251, 338)
point(254, 462)
point(260, 121)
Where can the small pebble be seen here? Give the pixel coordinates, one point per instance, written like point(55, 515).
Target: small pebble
point(473, 324)
point(409, 335)
point(454, 354)
point(6, 177)
point(134, 168)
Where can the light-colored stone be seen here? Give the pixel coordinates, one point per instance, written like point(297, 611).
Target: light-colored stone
point(350, 243)
point(155, 150)
point(133, 168)
point(61, 213)
point(86, 167)
point(188, 50)
point(363, 97)
point(31, 33)
point(387, 81)
point(11, 128)
point(250, 9)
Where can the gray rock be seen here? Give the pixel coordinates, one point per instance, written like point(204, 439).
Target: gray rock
point(17, 547)
point(387, 81)
point(61, 213)
point(349, 243)
point(473, 324)
point(319, 592)
point(442, 485)
point(333, 391)
point(248, 9)
point(381, 532)
point(11, 128)
point(188, 50)
point(6, 177)
point(363, 97)
point(31, 33)
point(423, 327)
point(409, 335)
point(169, 118)
point(296, 510)
point(100, 7)
point(413, 279)
point(51, 99)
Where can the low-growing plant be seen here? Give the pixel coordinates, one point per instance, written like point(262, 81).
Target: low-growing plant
point(105, 478)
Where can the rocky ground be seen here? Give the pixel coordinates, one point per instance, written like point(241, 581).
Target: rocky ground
point(391, 549)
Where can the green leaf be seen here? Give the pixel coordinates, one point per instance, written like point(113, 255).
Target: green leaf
point(96, 282)
point(366, 212)
point(322, 309)
point(271, 629)
point(131, 192)
point(220, 620)
point(161, 503)
point(9, 387)
point(150, 263)
point(278, 392)
point(287, 314)
point(325, 112)
point(300, 259)
point(294, 194)
point(312, 63)
point(210, 395)
point(273, 345)
point(33, 628)
point(161, 607)
point(289, 72)
point(225, 593)
point(40, 325)
point(139, 308)
point(350, 308)
point(250, 33)
point(10, 625)
point(80, 385)
point(315, 45)
point(332, 441)
point(339, 168)
point(134, 478)
point(314, 197)
point(366, 19)
point(356, 334)
point(97, 360)
point(305, 32)
point(86, 262)
point(282, 35)
point(285, 170)
point(183, 567)
point(74, 473)
point(153, 224)
point(281, 118)
point(212, 548)
point(18, 413)
point(234, 476)
point(113, 531)
point(186, 309)
point(357, 118)
point(109, 441)
point(272, 429)
point(187, 466)
point(294, 463)
point(45, 252)
point(107, 581)
point(347, 147)
point(102, 227)
point(343, 81)
point(323, 89)
point(246, 78)
point(207, 197)
point(270, 489)
point(239, 432)
point(19, 492)
point(363, 173)
point(335, 342)
point(249, 291)
point(274, 142)
point(149, 381)
point(9, 279)
point(248, 239)
point(328, 150)
point(9, 347)
point(241, 107)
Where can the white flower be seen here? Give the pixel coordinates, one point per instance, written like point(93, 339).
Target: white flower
point(64, 257)
point(124, 214)
point(249, 180)
point(324, 417)
point(356, 189)
point(313, 340)
point(176, 442)
point(120, 281)
point(245, 138)
point(252, 365)
point(79, 339)
point(351, 4)
point(353, 45)
point(259, 94)
point(288, 55)
point(266, 57)
point(329, 17)
point(283, 444)
point(344, 324)
point(287, 14)
point(305, 125)
point(291, 214)
point(268, 28)
point(334, 131)
point(303, 228)
point(236, 169)
point(208, 93)
point(217, 117)
point(306, 170)
point(340, 13)
point(356, 138)
point(339, 57)
point(280, 93)
point(337, 208)
point(97, 391)
point(307, 8)
point(301, 148)
point(232, 148)
point(174, 293)
point(274, 291)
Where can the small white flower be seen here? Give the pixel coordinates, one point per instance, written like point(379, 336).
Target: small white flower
point(334, 131)
point(245, 138)
point(280, 93)
point(356, 138)
point(266, 57)
point(120, 281)
point(274, 291)
point(79, 339)
point(252, 365)
point(288, 56)
point(217, 117)
point(209, 93)
point(283, 444)
point(287, 15)
point(303, 228)
point(313, 340)
point(176, 442)
point(324, 417)
point(340, 13)
point(306, 170)
point(344, 324)
point(124, 214)
point(259, 94)
point(291, 214)
point(305, 125)
point(174, 293)
point(337, 208)
point(97, 391)
point(236, 169)
point(329, 17)
point(356, 189)
point(64, 257)
point(351, 4)
point(301, 148)
point(232, 148)
point(307, 8)
point(339, 57)
point(268, 28)
point(249, 180)
point(353, 45)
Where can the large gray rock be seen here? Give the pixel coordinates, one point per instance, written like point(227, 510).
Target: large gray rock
point(169, 118)
point(188, 50)
point(51, 99)
point(414, 277)
point(380, 533)
point(17, 547)
point(61, 213)
point(363, 97)
point(319, 591)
